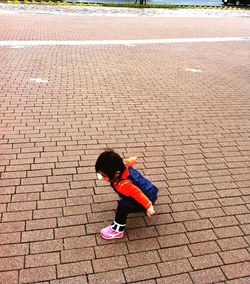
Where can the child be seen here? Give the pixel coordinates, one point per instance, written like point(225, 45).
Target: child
point(137, 194)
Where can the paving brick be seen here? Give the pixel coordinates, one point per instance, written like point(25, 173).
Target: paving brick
point(79, 242)
point(205, 261)
point(37, 274)
point(70, 231)
point(25, 197)
point(151, 281)
point(231, 201)
point(111, 250)
point(211, 212)
point(4, 199)
point(52, 187)
point(206, 195)
point(76, 210)
point(17, 216)
point(237, 209)
point(142, 258)
point(183, 197)
point(169, 229)
point(29, 188)
point(11, 263)
point(53, 203)
point(174, 267)
point(9, 182)
point(201, 236)
point(33, 180)
point(211, 275)
point(143, 245)
point(233, 256)
point(243, 218)
point(111, 263)
point(22, 206)
point(12, 227)
point(74, 255)
point(175, 279)
point(224, 221)
point(10, 238)
point(186, 215)
point(173, 240)
point(71, 280)
point(47, 213)
point(46, 246)
point(71, 220)
point(243, 280)
point(232, 243)
point(204, 248)
point(147, 232)
point(160, 219)
point(102, 216)
point(9, 277)
point(174, 253)
point(237, 270)
point(41, 224)
point(112, 277)
point(201, 204)
point(14, 250)
point(141, 273)
point(81, 200)
point(246, 229)
point(198, 225)
point(229, 192)
point(136, 222)
point(7, 190)
point(37, 235)
point(39, 260)
point(74, 269)
point(227, 232)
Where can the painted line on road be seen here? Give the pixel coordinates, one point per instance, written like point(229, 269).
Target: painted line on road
point(131, 42)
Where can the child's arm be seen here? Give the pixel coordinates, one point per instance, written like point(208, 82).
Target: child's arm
point(130, 161)
point(150, 211)
point(128, 189)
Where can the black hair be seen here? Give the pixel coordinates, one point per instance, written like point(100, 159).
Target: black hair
point(109, 163)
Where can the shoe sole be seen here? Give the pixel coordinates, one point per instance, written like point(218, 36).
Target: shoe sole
point(107, 238)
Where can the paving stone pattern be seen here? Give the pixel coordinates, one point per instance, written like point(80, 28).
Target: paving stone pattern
point(190, 131)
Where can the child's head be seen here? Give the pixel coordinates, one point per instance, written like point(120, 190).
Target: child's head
point(110, 165)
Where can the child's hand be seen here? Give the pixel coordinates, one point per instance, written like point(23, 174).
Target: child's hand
point(150, 211)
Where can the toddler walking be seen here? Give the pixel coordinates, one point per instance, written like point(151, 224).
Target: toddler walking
point(137, 194)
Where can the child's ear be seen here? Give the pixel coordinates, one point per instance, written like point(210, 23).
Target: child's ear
point(117, 174)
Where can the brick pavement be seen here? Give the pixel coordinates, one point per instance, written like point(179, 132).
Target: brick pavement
point(189, 130)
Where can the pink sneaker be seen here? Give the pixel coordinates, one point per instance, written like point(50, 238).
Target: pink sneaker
point(108, 233)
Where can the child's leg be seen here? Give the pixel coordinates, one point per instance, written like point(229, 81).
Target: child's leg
point(121, 216)
point(116, 229)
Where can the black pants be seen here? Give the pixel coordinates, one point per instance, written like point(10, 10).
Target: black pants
point(122, 212)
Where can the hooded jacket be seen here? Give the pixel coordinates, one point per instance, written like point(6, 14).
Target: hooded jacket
point(133, 188)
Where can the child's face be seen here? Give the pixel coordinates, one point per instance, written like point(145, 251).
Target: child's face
point(101, 175)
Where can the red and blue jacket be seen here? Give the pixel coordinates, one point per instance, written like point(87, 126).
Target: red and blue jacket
point(133, 188)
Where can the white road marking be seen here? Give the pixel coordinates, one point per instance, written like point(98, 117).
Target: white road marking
point(193, 70)
point(38, 80)
point(17, 46)
point(120, 42)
